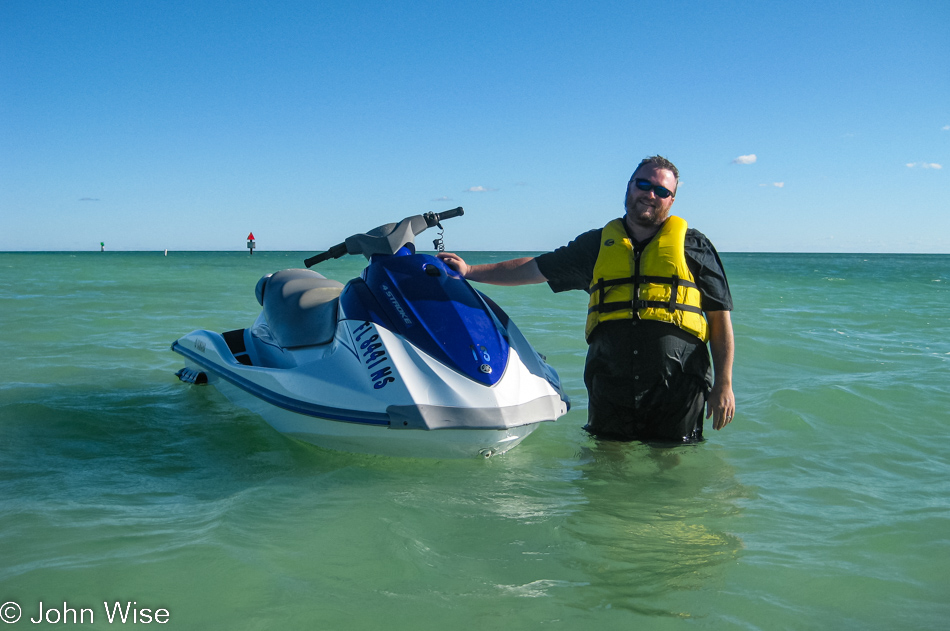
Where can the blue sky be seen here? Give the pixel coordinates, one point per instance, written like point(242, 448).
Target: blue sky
point(186, 125)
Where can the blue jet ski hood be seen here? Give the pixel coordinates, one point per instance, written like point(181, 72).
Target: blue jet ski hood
point(418, 297)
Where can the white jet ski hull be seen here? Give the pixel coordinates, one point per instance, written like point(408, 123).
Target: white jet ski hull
point(326, 396)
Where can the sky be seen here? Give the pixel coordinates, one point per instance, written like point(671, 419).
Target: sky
point(796, 126)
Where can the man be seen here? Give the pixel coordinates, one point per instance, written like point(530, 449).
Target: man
point(647, 373)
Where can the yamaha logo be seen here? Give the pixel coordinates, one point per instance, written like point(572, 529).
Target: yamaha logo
point(485, 368)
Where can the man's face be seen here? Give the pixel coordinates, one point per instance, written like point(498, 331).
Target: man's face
point(645, 208)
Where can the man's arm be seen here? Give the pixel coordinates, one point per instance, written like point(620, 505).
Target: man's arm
point(523, 271)
point(722, 402)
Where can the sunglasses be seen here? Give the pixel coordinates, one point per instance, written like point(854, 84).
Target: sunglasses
point(646, 185)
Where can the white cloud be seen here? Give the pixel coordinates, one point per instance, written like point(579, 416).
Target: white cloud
point(749, 159)
point(946, 128)
point(924, 165)
point(442, 199)
point(775, 184)
point(480, 189)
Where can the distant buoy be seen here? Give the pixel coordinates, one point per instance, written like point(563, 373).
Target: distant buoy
point(250, 243)
point(102, 246)
point(166, 251)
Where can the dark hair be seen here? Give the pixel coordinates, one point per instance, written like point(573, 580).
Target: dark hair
point(658, 162)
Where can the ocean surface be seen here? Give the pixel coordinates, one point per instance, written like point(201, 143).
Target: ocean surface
point(824, 505)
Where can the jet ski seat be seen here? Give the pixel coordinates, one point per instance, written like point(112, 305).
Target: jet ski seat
point(300, 306)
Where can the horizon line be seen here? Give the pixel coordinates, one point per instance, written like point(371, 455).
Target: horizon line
point(312, 252)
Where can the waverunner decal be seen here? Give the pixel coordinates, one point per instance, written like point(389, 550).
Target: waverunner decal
point(374, 356)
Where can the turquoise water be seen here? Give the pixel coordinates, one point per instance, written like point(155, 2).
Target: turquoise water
point(826, 503)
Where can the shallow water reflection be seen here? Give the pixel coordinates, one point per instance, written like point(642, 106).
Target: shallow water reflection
point(654, 521)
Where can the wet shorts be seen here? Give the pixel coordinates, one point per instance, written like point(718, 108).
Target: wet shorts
point(677, 419)
point(647, 380)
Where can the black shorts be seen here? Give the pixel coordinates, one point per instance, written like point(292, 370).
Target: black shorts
point(678, 419)
point(646, 381)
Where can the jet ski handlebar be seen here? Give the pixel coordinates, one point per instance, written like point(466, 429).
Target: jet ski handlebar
point(455, 212)
point(334, 252)
point(386, 239)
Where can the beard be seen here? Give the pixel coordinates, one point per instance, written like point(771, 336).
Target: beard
point(644, 212)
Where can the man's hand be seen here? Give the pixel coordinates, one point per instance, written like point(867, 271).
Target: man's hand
point(523, 271)
point(721, 404)
point(455, 262)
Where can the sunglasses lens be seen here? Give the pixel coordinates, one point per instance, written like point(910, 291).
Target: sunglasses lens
point(659, 191)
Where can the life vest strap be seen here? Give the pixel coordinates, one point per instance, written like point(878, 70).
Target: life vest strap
point(601, 284)
point(662, 280)
point(630, 280)
point(645, 304)
point(675, 282)
point(608, 307)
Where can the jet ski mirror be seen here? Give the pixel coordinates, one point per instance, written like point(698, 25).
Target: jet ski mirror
point(385, 239)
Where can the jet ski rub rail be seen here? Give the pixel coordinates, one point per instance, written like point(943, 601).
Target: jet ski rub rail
point(434, 417)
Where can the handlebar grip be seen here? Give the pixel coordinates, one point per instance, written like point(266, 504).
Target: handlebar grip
point(455, 212)
point(335, 252)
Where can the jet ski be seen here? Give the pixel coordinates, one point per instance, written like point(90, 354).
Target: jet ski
point(408, 359)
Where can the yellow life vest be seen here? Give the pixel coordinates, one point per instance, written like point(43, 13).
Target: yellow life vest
point(656, 285)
